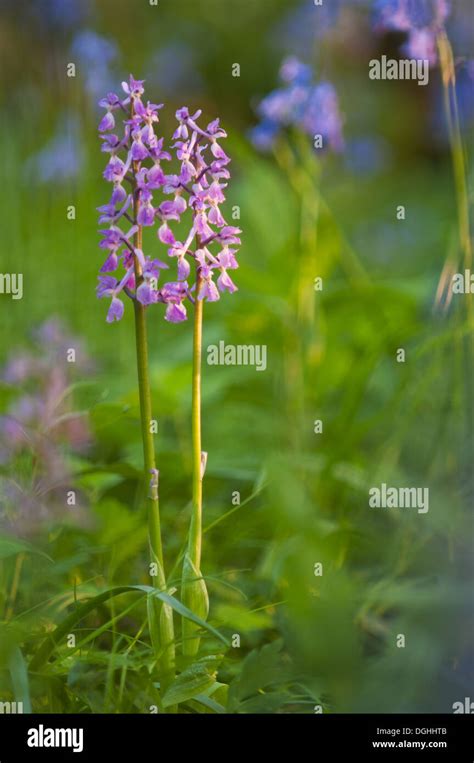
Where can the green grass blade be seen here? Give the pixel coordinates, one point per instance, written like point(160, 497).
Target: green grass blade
point(82, 610)
point(19, 677)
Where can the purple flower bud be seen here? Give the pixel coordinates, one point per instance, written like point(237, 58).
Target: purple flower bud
point(107, 122)
point(115, 310)
point(184, 268)
point(134, 87)
point(165, 234)
point(175, 312)
point(157, 153)
point(146, 212)
point(115, 170)
point(156, 177)
point(208, 289)
point(173, 295)
point(110, 264)
point(226, 259)
point(224, 282)
point(112, 238)
point(168, 210)
point(119, 194)
point(202, 227)
point(138, 151)
point(215, 217)
point(219, 153)
point(110, 143)
point(151, 268)
point(229, 235)
point(146, 294)
point(111, 101)
point(106, 286)
point(179, 204)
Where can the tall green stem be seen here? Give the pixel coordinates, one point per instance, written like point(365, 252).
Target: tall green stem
point(160, 615)
point(194, 588)
point(195, 530)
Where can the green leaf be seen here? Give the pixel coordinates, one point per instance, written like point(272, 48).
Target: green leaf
point(260, 669)
point(153, 623)
point(12, 546)
point(19, 676)
point(195, 680)
point(214, 697)
point(82, 610)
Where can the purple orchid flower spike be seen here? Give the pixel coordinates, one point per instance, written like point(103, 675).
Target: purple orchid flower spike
point(196, 189)
point(128, 164)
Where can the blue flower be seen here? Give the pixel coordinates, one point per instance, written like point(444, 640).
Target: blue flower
point(405, 15)
point(312, 108)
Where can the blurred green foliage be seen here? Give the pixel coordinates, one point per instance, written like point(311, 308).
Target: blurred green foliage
point(305, 640)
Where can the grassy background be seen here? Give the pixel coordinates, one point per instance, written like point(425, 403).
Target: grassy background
point(328, 640)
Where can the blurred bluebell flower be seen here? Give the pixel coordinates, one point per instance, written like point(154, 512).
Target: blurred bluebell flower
point(422, 20)
point(421, 44)
point(264, 134)
point(404, 15)
point(61, 158)
point(95, 56)
point(321, 115)
point(312, 108)
point(284, 106)
point(293, 71)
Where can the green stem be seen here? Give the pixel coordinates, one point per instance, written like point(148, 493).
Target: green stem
point(161, 617)
point(195, 530)
point(194, 592)
point(154, 527)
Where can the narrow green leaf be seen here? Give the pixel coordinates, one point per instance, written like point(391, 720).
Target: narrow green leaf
point(153, 623)
point(19, 676)
point(210, 703)
point(83, 609)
